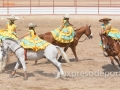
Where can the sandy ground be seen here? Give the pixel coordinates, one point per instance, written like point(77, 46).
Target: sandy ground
point(93, 71)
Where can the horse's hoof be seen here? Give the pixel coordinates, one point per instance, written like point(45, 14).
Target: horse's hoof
point(77, 60)
point(34, 64)
point(25, 78)
point(11, 76)
point(57, 77)
point(62, 77)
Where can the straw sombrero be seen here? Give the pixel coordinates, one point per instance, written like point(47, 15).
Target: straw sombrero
point(107, 19)
point(12, 18)
point(32, 25)
point(66, 16)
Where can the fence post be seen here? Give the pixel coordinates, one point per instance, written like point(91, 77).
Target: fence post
point(30, 6)
point(7, 7)
point(53, 6)
point(98, 6)
point(3, 3)
point(110, 2)
point(75, 5)
point(39, 2)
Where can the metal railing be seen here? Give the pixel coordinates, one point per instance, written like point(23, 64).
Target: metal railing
point(59, 6)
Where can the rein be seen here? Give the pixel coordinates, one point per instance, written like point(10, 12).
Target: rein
point(17, 49)
point(83, 40)
point(11, 47)
point(111, 45)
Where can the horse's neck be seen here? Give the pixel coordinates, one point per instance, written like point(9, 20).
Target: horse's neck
point(12, 45)
point(80, 32)
point(111, 41)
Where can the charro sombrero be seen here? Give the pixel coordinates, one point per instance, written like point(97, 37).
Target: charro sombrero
point(32, 25)
point(12, 18)
point(105, 19)
point(66, 16)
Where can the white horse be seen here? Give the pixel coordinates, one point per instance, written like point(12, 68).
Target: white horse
point(50, 53)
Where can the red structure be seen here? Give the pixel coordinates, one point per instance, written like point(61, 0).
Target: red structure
point(59, 3)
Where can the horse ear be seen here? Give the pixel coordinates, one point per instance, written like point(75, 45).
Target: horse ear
point(89, 26)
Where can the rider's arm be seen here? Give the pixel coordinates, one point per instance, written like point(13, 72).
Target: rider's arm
point(108, 26)
point(63, 23)
point(102, 29)
point(24, 35)
point(7, 25)
point(15, 27)
point(70, 24)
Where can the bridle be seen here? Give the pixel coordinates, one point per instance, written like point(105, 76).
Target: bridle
point(90, 36)
point(4, 51)
point(108, 45)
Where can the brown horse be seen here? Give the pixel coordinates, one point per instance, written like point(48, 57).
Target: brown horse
point(112, 47)
point(79, 32)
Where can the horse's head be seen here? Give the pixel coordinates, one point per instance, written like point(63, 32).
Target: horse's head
point(105, 41)
point(7, 44)
point(88, 32)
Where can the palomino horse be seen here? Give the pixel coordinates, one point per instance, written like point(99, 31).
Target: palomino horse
point(79, 32)
point(50, 53)
point(112, 47)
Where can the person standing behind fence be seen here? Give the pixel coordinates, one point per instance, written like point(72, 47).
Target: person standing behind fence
point(10, 31)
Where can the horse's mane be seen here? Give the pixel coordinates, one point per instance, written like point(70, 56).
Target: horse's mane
point(12, 40)
point(109, 38)
point(79, 28)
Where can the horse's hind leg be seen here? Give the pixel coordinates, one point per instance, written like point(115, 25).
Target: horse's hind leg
point(113, 62)
point(74, 52)
point(58, 66)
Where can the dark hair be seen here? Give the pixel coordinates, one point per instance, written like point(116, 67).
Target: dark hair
point(66, 18)
point(32, 28)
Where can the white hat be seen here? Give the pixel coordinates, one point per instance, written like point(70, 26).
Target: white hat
point(12, 18)
point(32, 25)
point(66, 16)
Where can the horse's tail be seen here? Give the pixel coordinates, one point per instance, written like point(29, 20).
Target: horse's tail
point(63, 54)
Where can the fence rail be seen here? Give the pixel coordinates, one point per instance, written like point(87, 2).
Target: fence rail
point(59, 7)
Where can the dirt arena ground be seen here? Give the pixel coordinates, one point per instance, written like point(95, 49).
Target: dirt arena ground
point(93, 71)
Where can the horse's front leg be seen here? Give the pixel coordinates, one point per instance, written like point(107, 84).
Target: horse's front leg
point(119, 58)
point(74, 52)
point(16, 67)
point(117, 61)
point(0, 67)
point(112, 61)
